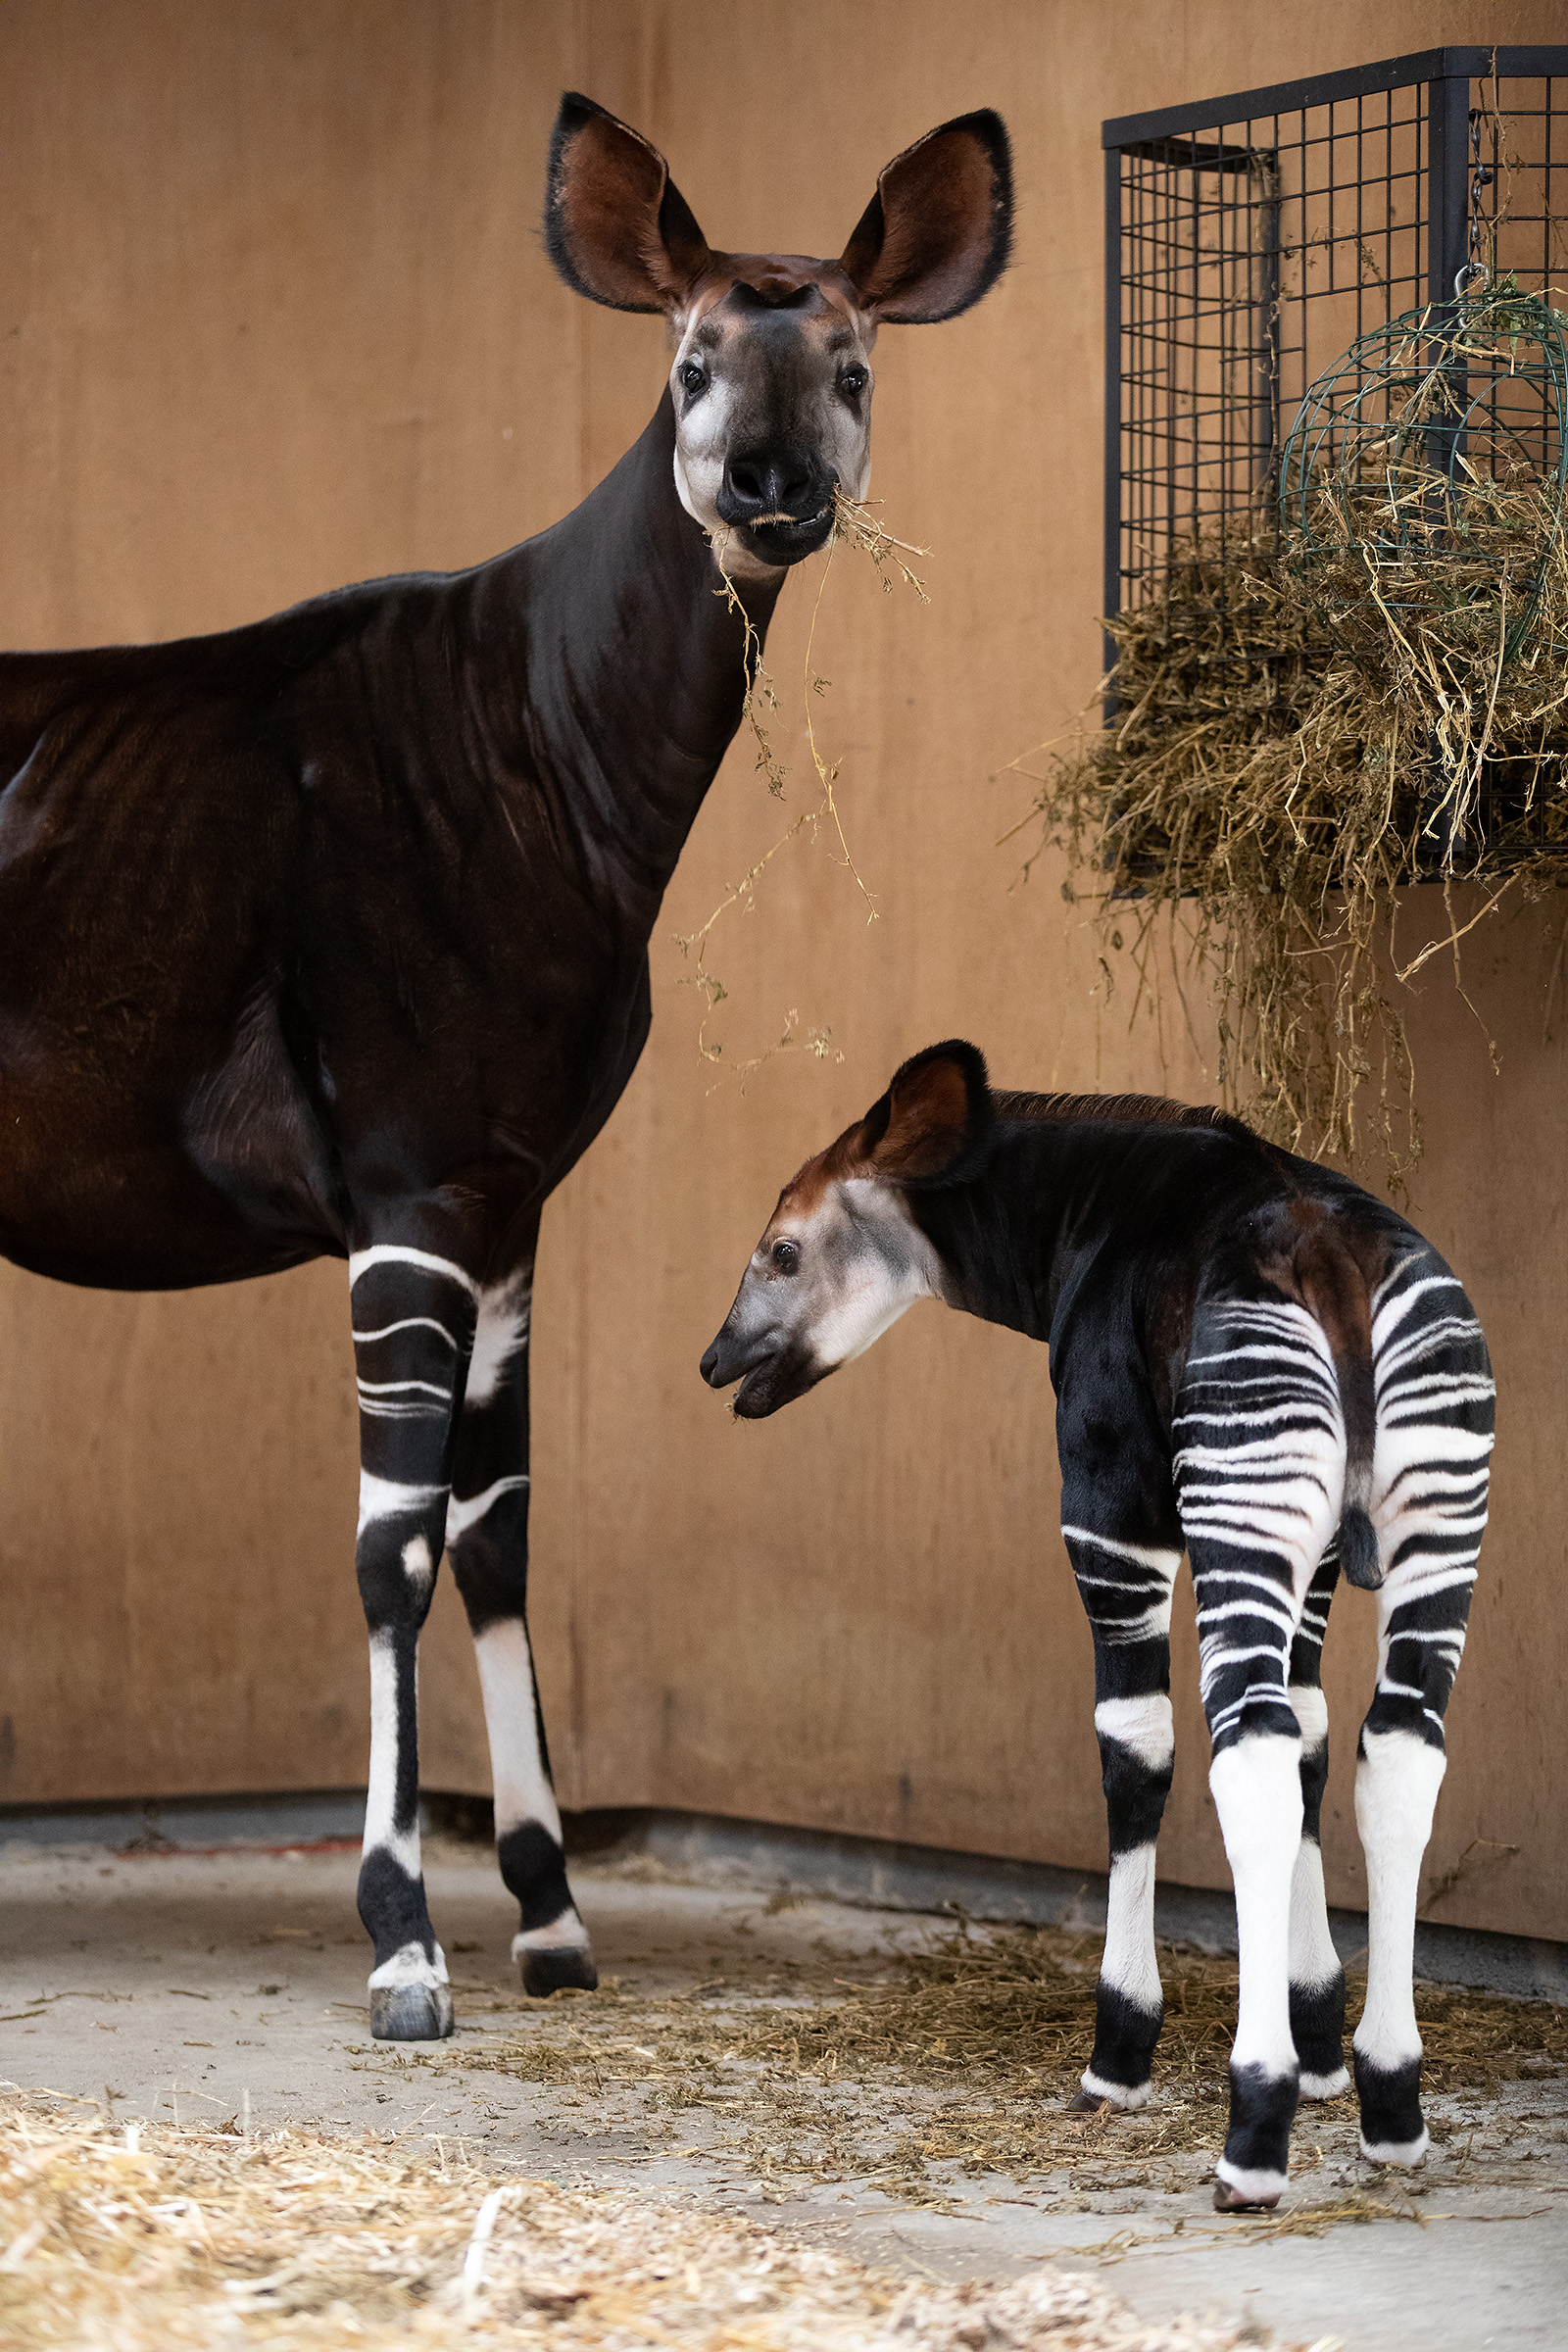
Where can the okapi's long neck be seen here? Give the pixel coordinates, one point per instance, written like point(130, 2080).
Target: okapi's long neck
point(636, 670)
point(1005, 1239)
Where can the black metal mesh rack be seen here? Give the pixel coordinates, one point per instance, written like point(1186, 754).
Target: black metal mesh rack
point(1249, 240)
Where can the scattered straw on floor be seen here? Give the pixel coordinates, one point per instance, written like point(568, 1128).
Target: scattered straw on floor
point(138, 2240)
point(962, 2057)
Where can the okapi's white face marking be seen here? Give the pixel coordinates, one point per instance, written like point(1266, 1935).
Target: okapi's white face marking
point(771, 384)
point(771, 381)
point(841, 1261)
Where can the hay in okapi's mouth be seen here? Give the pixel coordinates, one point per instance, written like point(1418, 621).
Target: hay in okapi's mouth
point(961, 2056)
point(854, 526)
point(1298, 729)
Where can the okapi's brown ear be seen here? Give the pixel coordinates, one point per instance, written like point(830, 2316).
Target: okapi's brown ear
point(937, 234)
point(934, 1123)
point(616, 226)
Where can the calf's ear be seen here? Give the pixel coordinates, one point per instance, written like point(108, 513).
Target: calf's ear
point(616, 226)
point(937, 234)
point(933, 1124)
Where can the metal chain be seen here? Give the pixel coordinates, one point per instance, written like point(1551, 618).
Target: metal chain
point(1473, 274)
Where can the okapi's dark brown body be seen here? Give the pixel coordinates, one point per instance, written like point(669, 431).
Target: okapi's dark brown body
point(351, 903)
point(330, 936)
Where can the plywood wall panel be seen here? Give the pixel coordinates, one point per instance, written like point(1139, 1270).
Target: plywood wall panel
point(281, 319)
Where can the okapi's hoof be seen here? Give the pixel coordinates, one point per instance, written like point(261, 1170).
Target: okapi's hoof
point(557, 1968)
point(1231, 2200)
point(1093, 2102)
point(411, 2012)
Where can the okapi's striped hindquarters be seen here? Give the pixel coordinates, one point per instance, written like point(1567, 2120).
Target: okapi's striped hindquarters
point(1259, 1462)
point(1256, 1362)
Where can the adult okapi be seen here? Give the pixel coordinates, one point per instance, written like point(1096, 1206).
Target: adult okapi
point(327, 937)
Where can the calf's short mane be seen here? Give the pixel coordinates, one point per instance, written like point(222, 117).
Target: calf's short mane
point(1124, 1110)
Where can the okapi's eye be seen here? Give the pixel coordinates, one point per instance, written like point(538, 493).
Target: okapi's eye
point(786, 1258)
point(852, 382)
point(693, 377)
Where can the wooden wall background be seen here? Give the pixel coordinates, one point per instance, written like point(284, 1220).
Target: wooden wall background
point(274, 314)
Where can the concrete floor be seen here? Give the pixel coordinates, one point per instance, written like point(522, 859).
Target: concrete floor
point(193, 1986)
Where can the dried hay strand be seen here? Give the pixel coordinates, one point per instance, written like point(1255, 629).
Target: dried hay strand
point(856, 526)
point(1301, 726)
point(157, 2237)
point(965, 2055)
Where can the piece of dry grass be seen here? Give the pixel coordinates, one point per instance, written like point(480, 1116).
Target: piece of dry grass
point(965, 2055)
point(856, 526)
point(159, 2237)
point(1299, 729)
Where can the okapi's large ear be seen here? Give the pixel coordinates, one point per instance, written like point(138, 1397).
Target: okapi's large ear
point(934, 1123)
point(937, 234)
point(616, 226)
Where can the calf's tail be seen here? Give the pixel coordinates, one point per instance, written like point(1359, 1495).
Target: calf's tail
point(1336, 1295)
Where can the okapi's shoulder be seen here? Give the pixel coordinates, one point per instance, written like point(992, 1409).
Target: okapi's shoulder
point(1125, 1110)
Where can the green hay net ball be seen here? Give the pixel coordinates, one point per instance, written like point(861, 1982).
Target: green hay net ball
point(1423, 481)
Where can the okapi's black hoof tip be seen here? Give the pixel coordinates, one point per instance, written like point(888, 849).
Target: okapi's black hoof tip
point(411, 2012)
point(1093, 2102)
point(559, 1968)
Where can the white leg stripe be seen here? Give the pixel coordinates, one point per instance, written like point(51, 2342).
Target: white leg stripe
point(1258, 1793)
point(410, 1967)
point(1313, 1959)
point(466, 1510)
point(390, 1254)
point(1167, 1561)
point(1256, 2187)
point(501, 1331)
point(380, 1801)
point(1138, 2096)
point(1397, 1785)
point(563, 1934)
point(367, 1339)
point(1129, 1963)
point(523, 1791)
point(1143, 1726)
point(387, 1498)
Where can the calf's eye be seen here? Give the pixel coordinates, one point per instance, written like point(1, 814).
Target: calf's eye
point(854, 381)
point(786, 1258)
point(692, 378)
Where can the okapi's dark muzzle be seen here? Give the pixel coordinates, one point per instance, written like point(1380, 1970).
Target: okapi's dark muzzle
point(781, 498)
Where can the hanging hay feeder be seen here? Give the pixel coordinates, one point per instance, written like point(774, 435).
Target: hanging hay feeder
point(1362, 686)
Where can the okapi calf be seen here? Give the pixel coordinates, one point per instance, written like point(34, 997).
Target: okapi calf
point(327, 937)
point(1254, 1359)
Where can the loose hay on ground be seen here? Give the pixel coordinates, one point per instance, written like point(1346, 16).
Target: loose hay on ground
point(964, 2056)
point(191, 2237)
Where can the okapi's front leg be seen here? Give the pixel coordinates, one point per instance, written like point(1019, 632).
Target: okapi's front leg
point(487, 1536)
point(1126, 1572)
point(414, 1316)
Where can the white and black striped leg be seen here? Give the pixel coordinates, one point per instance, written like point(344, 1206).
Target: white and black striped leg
point(1436, 1409)
point(1317, 1979)
point(1126, 1587)
point(414, 1312)
point(487, 1535)
point(1260, 1479)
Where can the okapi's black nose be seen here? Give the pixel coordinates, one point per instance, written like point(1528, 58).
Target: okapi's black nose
point(709, 1363)
point(770, 483)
